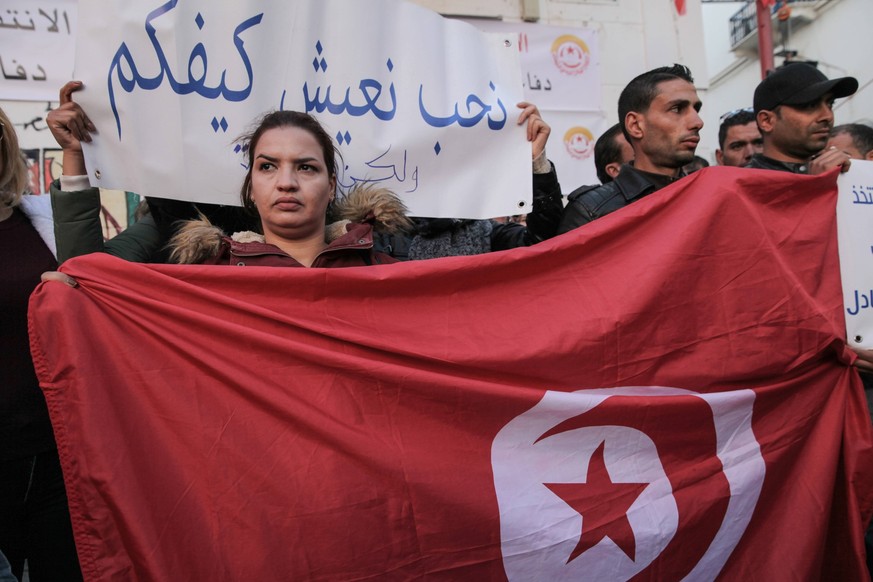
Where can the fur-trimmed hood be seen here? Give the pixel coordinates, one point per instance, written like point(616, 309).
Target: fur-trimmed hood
point(199, 240)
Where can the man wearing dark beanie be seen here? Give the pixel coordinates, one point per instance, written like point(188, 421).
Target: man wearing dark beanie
point(794, 110)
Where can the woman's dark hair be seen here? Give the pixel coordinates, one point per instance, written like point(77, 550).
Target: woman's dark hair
point(278, 119)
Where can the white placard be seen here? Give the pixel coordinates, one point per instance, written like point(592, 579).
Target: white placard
point(561, 76)
point(560, 65)
point(423, 105)
point(571, 146)
point(855, 228)
point(37, 46)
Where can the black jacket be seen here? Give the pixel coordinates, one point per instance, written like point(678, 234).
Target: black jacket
point(542, 219)
point(542, 223)
point(762, 162)
point(592, 202)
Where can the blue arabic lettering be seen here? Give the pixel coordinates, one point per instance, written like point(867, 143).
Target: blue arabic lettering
point(862, 301)
point(198, 54)
point(371, 89)
point(365, 86)
point(862, 197)
point(472, 99)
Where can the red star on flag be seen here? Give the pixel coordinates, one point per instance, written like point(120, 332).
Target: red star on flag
point(603, 505)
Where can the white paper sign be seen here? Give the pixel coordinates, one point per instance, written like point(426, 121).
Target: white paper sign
point(560, 65)
point(37, 44)
point(571, 146)
point(855, 228)
point(561, 76)
point(420, 104)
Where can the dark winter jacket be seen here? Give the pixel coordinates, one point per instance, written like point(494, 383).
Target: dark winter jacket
point(592, 202)
point(350, 240)
point(444, 237)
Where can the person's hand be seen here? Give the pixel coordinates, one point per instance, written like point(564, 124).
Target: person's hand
point(865, 359)
point(59, 277)
point(70, 127)
point(830, 159)
point(537, 130)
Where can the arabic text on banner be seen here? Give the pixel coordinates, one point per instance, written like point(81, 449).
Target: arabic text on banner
point(855, 221)
point(423, 105)
point(37, 44)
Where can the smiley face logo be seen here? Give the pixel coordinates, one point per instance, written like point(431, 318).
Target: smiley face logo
point(570, 54)
point(579, 142)
point(610, 483)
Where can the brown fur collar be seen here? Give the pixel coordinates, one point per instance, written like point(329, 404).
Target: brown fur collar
point(199, 240)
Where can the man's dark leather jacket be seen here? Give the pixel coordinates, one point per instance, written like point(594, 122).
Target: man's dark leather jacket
point(591, 202)
point(762, 162)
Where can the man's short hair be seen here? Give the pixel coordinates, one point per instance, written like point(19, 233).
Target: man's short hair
point(607, 151)
point(642, 90)
point(732, 119)
point(862, 135)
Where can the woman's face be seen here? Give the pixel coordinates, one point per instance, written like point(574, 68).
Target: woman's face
point(291, 185)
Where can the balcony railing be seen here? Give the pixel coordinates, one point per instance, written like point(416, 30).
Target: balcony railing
point(745, 22)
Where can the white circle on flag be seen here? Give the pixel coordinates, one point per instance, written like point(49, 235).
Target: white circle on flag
point(539, 530)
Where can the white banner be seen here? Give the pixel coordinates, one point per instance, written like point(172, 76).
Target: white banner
point(37, 44)
point(855, 228)
point(561, 75)
point(571, 146)
point(422, 105)
point(560, 65)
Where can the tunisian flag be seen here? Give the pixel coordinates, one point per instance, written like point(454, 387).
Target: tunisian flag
point(661, 394)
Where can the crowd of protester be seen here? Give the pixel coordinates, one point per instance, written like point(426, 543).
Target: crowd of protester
point(293, 215)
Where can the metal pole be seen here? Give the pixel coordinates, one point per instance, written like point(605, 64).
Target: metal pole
point(765, 37)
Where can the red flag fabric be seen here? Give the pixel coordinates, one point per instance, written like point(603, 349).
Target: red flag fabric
point(661, 394)
point(680, 7)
